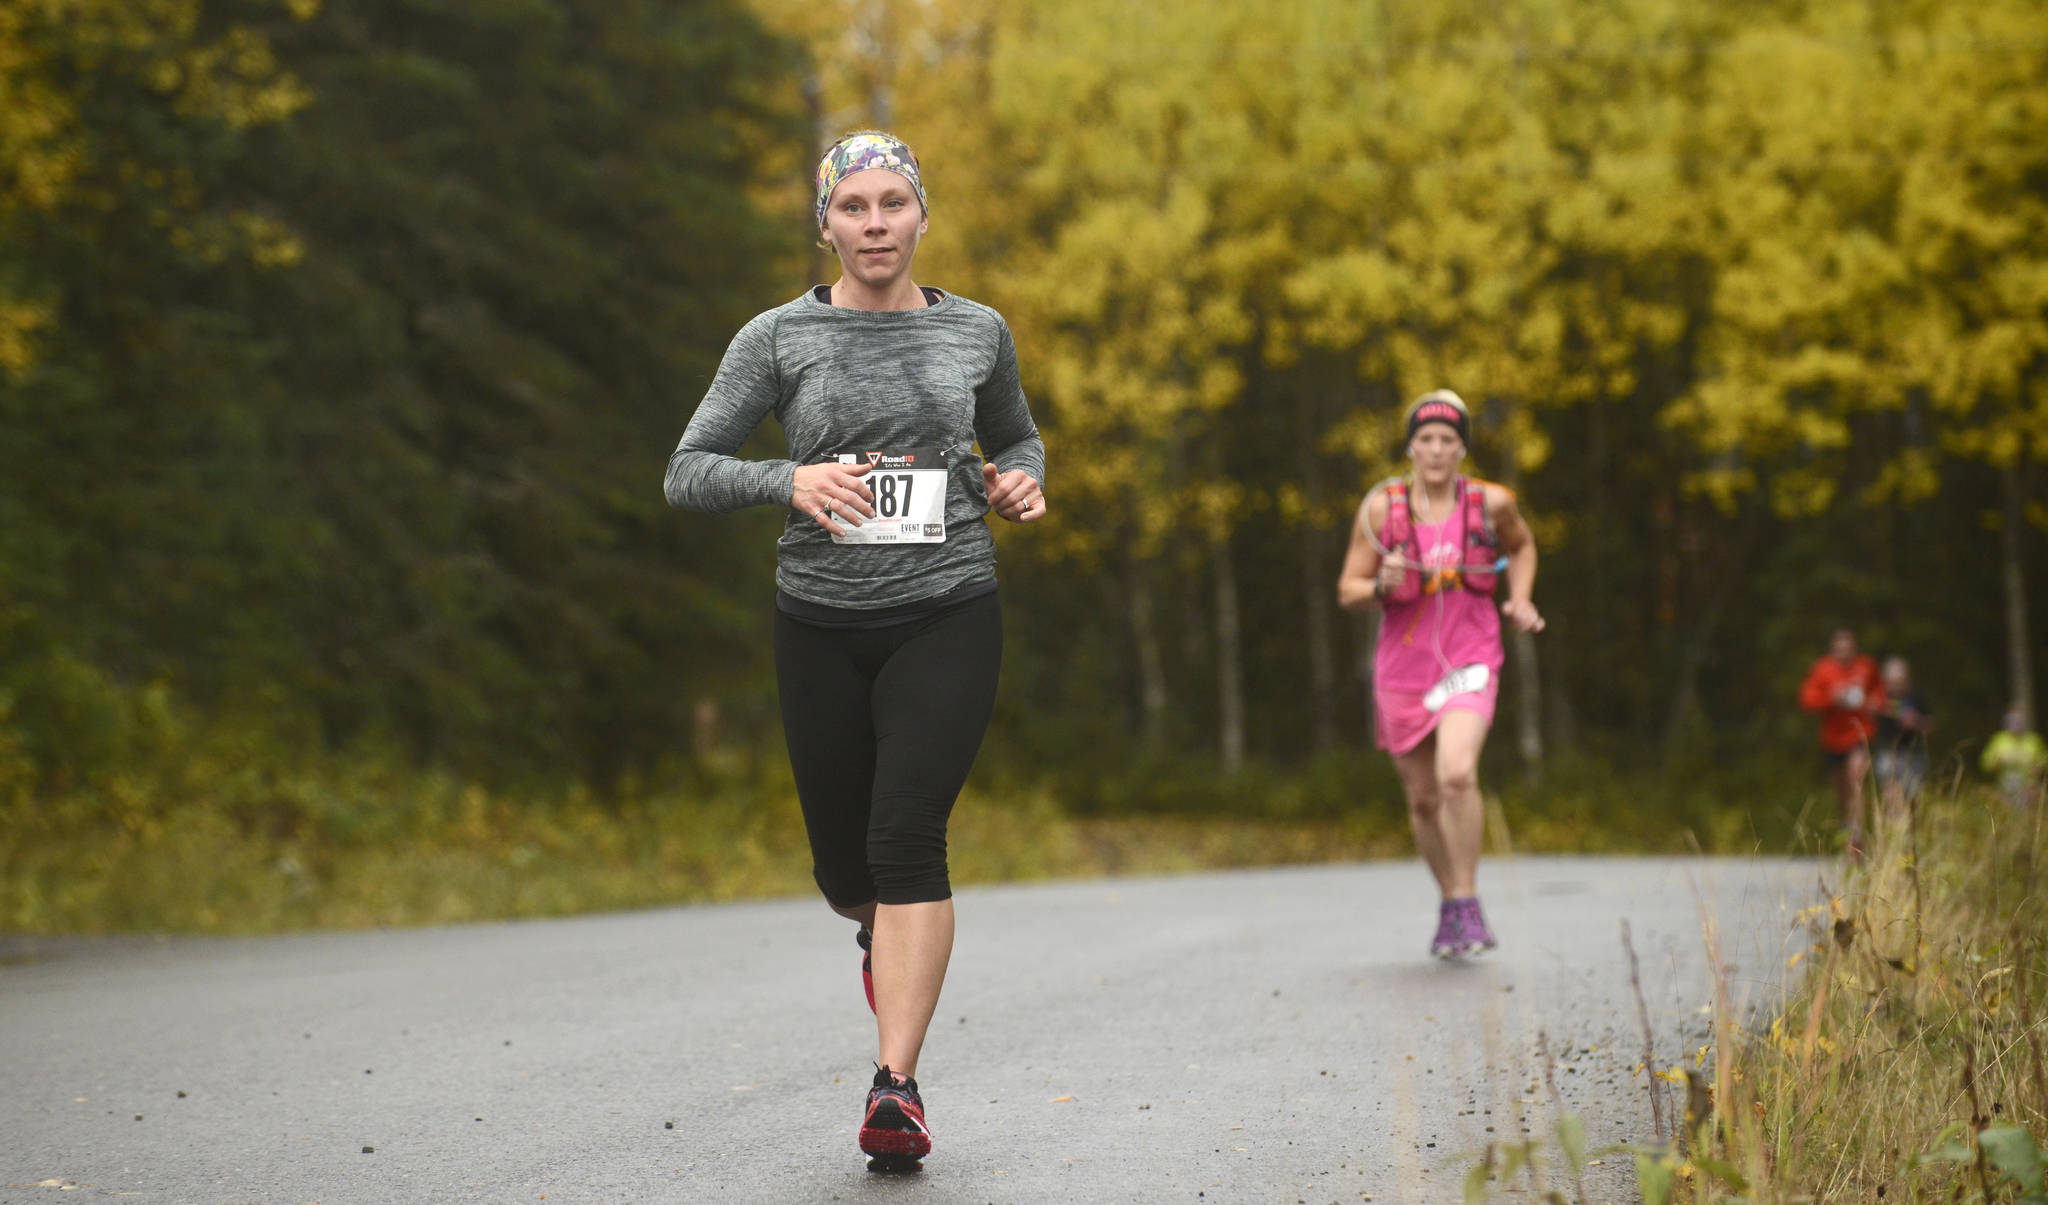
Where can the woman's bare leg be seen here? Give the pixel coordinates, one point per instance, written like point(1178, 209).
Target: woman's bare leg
point(1461, 817)
point(1417, 769)
point(913, 944)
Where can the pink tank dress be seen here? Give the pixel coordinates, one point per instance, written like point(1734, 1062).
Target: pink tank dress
point(1423, 640)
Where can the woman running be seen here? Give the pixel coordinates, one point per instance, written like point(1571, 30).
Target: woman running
point(1428, 551)
point(888, 634)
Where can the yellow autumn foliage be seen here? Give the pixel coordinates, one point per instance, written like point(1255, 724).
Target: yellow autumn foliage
point(227, 75)
point(1830, 208)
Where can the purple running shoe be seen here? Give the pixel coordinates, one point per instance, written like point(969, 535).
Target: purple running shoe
point(1461, 929)
point(1478, 936)
point(1450, 931)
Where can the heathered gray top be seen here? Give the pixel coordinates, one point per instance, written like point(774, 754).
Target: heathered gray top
point(841, 379)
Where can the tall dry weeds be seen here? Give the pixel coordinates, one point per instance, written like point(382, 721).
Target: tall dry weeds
point(1916, 1019)
point(1904, 1062)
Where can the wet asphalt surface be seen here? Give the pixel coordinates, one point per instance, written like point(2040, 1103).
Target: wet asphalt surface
point(1264, 1036)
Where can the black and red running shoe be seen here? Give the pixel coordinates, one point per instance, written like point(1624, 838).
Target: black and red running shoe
point(893, 1130)
point(867, 963)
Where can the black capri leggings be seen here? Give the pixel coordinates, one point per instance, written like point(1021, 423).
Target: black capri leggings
point(883, 725)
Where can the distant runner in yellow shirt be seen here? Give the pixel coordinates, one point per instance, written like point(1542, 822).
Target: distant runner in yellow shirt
point(2016, 758)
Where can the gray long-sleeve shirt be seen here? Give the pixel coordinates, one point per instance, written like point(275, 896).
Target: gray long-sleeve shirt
point(839, 380)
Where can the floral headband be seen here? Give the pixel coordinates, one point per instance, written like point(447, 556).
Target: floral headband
point(859, 152)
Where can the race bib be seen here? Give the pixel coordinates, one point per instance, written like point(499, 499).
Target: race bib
point(1464, 680)
point(909, 488)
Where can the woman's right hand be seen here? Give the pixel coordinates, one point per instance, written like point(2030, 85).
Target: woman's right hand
point(1393, 568)
point(831, 494)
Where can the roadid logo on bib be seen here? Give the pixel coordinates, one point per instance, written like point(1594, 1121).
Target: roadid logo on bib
point(909, 488)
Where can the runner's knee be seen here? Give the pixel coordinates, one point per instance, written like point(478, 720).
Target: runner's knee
point(1458, 780)
point(907, 850)
point(844, 882)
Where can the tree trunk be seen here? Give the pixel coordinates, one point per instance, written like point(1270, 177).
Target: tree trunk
point(1701, 629)
point(1560, 721)
point(1151, 666)
point(1229, 661)
point(1366, 626)
point(822, 260)
point(1528, 684)
point(1695, 636)
point(1318, 590)
point(2018, 639)
point(881, 89)
point(1317, 582)
point(1528, 708)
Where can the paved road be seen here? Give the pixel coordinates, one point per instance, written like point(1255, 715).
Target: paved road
point(1252, 1036)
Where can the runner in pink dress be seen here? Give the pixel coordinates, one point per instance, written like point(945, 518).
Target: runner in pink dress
point(1429, 551)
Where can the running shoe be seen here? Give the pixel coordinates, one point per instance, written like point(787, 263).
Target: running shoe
point(1449, 941)
point(1478, 936)
point(867, 963)
point(1461, 929)
point(894, 1127)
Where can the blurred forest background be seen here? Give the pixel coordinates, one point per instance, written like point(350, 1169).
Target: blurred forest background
point(342, 344)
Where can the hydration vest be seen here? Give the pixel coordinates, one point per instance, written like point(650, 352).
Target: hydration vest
point(1479, 551)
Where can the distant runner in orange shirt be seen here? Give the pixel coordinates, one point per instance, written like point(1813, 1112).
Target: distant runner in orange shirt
point(1844, 688)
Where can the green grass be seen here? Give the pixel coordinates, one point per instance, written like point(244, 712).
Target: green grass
point(348, 847)
point(216, 830)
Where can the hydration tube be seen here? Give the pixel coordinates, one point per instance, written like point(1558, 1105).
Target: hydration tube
point(1433, 579)
point(1498, 565)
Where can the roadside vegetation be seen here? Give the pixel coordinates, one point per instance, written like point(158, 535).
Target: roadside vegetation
point(1909, 1060)
point(213, 839)
point(185, 826)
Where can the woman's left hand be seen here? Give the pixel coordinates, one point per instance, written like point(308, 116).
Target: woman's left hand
point(1522, 613)
point(1013, 495)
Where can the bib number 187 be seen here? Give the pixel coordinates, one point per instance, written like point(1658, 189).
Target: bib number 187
point(893, 493)
point(909, 488)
